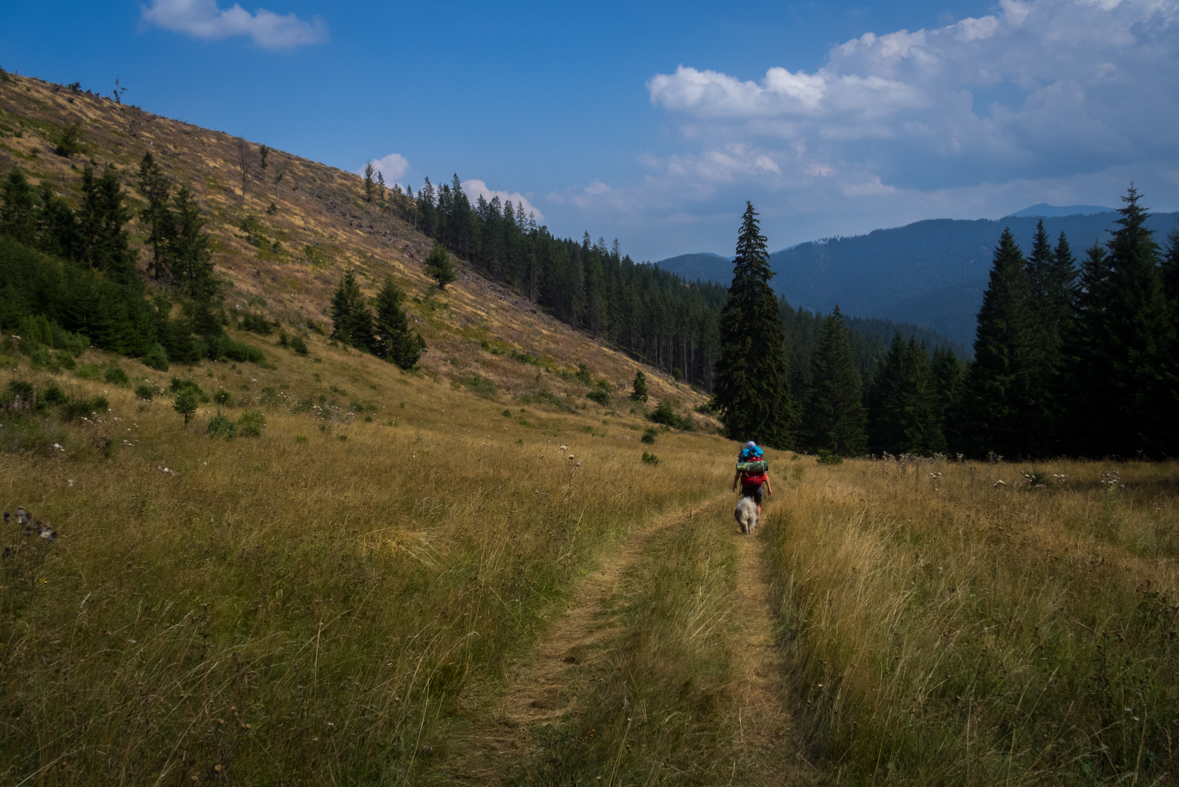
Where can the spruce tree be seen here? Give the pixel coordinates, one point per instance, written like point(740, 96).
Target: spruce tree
point(394, 340)
point(1170, 273)
point(102, 219)
point(949, 375)
point(1121, 373)
point(638, 391)
point(751, 390)
point(352, 322)
point(999, 404)
point(904, 412)
point(190, 254)
point(833, 418)
point(18, 208)
point(156, 191)
point(439, 267)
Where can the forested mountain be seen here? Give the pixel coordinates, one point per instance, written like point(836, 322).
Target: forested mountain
point(929, 273)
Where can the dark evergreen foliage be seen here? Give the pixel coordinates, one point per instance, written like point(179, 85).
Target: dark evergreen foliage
point(1121, 364)
point(638, 390)
point(999, 409)
point(77, 272)
point(833, 417)
point(439, 267)
point(394, 340)
point(904, 406)
point(751, 390)
point(352, 322)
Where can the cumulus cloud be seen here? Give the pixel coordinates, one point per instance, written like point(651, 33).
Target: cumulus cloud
point(391, 167)
point(1040, 89)
point(203, 19)
point(477, 188)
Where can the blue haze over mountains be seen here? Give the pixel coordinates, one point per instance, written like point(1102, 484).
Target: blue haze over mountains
point(930, 273)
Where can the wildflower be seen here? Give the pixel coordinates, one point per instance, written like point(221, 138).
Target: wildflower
point(69, 482)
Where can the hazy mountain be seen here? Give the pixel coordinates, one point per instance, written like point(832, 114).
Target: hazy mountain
point(704, 266)
point(929, 273)
point(1044, 210)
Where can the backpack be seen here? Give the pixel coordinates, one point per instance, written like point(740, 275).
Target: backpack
point(752, 462)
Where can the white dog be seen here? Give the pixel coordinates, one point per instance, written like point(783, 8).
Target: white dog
point(746, 515)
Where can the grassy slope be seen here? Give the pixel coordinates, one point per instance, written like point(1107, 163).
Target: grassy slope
point(319, 207)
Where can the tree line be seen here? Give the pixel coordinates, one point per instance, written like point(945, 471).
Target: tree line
point(655, 316)
point(1067, 361)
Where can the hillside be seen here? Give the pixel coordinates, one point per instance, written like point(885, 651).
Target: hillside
point(930, 273)
point(320, 227)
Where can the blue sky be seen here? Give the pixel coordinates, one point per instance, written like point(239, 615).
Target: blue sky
point(654, 122)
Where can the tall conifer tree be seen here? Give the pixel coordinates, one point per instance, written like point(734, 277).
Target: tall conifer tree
point(999, 406)
point(395, 342)
point(352, 322)
point(1122, 376)
point(833, 418)
point(751, 390)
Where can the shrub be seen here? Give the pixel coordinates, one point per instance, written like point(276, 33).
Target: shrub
point(256, 323)
point(69, 141)
point(114, 374)
point(186, 402)
point(829, 457)
point(298, 345)
point(88, 371)
point(223, 397)
point(648, 437)
point(54, 395)
point(476, 384)
point(145, 392)
point(220, 426)
point(156, 358)
point(599, 396)
point(650, 459)
point(251, 423)
point(665, 414)
point(506, 413)
point(84, 408)
point(180, 386)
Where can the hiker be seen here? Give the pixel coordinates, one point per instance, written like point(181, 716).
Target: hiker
point(752, 482)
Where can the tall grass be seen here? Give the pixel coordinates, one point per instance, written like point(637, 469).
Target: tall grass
point(322, 604)
point(656, 704)
point(947, 629)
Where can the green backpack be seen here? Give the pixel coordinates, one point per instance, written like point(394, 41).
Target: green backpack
point(753, 468)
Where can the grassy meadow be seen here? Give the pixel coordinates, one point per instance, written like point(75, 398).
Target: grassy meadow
point(358, 595)
point(983, 624)
point(322, 603)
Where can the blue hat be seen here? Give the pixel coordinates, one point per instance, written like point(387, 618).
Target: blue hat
point(751, 444)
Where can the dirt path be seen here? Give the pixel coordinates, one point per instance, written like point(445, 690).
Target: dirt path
point(763, 694)
point(538, 696)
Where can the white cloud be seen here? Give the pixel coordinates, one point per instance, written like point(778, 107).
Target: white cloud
point(203, 19)
point(391, 167)
point(477, 188)
point(1046, 88)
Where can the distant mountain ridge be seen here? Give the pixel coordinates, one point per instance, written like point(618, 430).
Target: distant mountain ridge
point(1044, 210)
point(930, 273)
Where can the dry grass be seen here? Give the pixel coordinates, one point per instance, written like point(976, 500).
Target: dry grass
point(947, 629)
point(328, 602)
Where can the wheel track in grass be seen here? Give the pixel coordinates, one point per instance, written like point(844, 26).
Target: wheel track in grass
point(762, 693)
point(537, 696)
